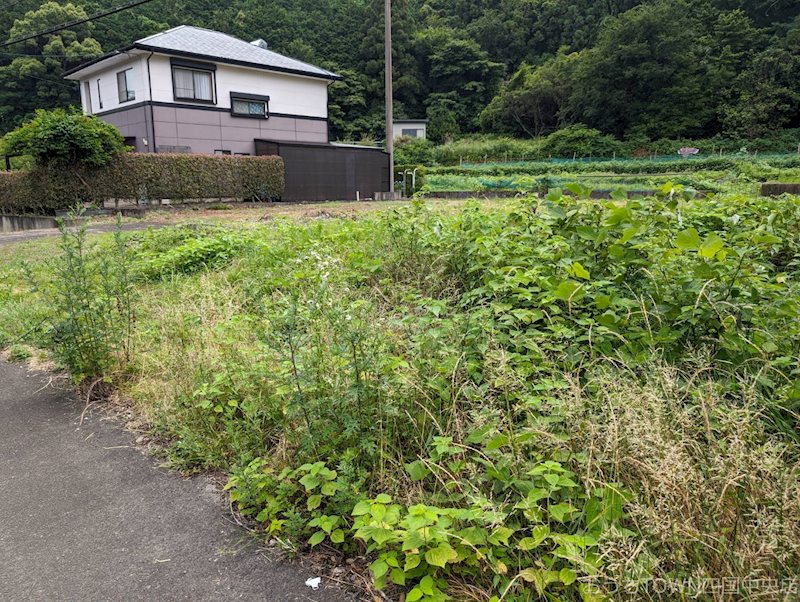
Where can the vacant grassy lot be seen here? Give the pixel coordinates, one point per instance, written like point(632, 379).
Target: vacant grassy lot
point(545, 398)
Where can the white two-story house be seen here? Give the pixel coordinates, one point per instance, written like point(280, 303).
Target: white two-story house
point(193, 90)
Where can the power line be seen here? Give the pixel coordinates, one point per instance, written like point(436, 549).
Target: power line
point(75, 22)
point(41, 55)
point(49, 81)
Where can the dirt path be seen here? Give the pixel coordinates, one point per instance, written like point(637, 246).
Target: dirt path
point(86, 516)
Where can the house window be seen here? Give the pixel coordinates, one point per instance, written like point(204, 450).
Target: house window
point(125, 86)
point(87, 90)
point(411, 133)
point(249, 105)
point(99, 96)
point(252, 108)
point(192, 84)
point(222, 152)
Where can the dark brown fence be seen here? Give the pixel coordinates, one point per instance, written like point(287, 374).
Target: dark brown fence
point(329, 172)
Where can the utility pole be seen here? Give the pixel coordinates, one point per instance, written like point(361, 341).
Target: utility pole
point(389, 92)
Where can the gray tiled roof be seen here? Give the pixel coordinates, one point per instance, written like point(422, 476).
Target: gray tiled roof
point(197, 41)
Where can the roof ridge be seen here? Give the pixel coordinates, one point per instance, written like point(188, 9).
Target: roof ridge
point(160, 33)
point(269, 50)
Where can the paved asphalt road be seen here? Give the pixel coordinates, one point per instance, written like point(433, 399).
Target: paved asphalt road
point(85, 516)
point(7, 238)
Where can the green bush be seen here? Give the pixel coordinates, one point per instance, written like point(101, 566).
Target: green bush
point(65, 138)
point(131, 176)
point(484, 148)
point(580, 141)
point(413, 151)
point(15, 193)
point(185, 176)
point(91, 296)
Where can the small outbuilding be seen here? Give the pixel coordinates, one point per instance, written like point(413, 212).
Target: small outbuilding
point(410, 128)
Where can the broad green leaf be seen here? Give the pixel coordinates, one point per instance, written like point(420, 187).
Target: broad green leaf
point(337, 536)
point(426, 585)
point(538, 535)
point(440, 555)
point(567, 576)
point(579, 271)
point(500, 536)
point(540, 578)
point(381, 536)
point(497, 442)
point(398, 577)
point(361, 508)
point(766, 238)
point(417, 470)
point(414, 595)
point(688, 240)
point(310, 482)
point(382, 498)
point(314, 502)
point(412, 562)
point(567, 290)
point(628, 234)
point(560, 511)
point(711, 246)
point(317, 538)
point(379, 568)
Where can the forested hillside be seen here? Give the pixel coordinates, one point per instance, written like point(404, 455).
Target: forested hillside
point(660, 68)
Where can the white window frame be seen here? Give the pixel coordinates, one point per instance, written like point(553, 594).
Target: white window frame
point(128, 93)
point(193, 98)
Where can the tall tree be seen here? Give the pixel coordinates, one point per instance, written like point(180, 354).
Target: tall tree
point(34, 79)
point(646, 74)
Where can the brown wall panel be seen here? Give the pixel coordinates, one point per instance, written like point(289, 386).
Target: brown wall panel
point(325, 172)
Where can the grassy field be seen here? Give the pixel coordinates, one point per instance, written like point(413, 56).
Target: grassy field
point(727, 174)
point(540, 398)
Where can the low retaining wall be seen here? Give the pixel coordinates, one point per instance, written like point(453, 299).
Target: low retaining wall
point(21, 223)
point(779, 188)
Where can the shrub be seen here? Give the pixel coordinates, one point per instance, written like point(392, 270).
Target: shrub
point(185, 176)
point(15, 193)
point(91, 295)
point(49, 188)
point(65, 138)
point(413, 151)
point(580, 141)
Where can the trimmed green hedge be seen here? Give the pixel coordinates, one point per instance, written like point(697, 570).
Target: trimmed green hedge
point(143, 176)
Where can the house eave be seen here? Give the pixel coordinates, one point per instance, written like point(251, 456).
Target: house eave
point(72, 73)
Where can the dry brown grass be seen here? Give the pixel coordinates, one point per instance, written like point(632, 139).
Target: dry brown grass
point(715, 496)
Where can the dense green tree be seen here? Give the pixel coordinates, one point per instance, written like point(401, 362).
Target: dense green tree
point(535, 101)
point(64, 139)
point(633, 68)
point(769, 95)
point(34, 78)
point(457, 70)
point(646, 74)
